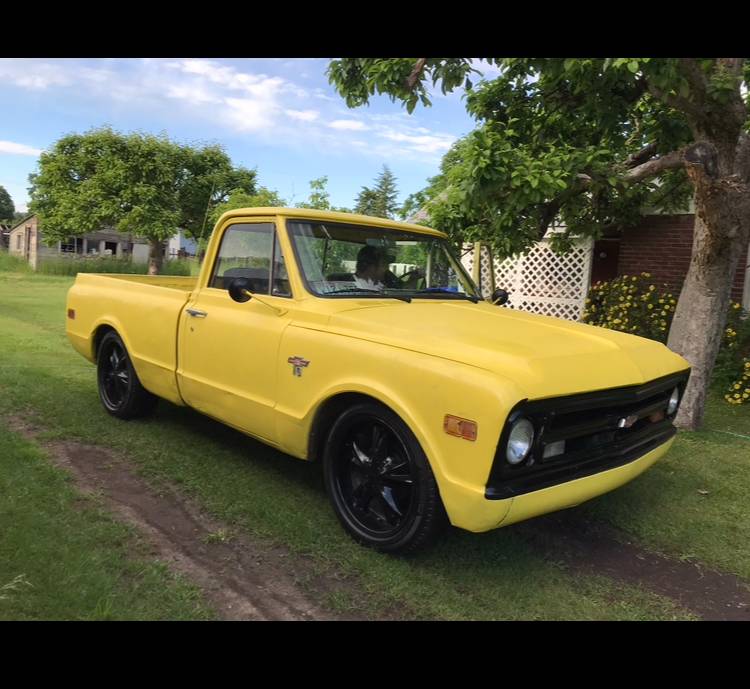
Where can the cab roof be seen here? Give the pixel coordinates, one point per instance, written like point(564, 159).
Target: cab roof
point(331, 216)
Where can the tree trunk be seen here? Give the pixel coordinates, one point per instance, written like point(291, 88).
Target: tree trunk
point(155, 257)
point(722, 226)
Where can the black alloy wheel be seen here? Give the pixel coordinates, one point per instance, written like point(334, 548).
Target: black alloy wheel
point(380, 482)
point(120, 390)
point(115, 375)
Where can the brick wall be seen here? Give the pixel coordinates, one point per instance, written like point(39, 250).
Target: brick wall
point(662, 245)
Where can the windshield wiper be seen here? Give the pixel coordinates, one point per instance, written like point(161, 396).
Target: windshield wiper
point(382, 293)
point(438, 290)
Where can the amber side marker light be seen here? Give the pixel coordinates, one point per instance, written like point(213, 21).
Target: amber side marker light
point(461, 428)
point(72, 314)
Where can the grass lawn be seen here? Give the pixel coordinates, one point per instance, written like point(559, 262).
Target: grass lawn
point(61, 558)
point(497, 575)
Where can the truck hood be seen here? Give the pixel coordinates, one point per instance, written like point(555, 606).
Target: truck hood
point(543, 356)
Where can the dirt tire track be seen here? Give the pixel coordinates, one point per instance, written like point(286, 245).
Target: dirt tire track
point(595, 548)
point(246, 579)
point(241, 578)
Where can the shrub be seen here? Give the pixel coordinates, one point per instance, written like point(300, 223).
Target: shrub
point(739, 390)
point(633, 304)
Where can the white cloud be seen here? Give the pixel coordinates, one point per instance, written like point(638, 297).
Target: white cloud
point(233, 98)
point(18, 149)
point(250, 114)
point(348, 125)
point(192, 94)
point(319, 93)
point(426, 143)
point(33, 74)
point(303, 115)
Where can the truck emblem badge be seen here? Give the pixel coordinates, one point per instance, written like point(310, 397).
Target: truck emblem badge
point(627, 421)
point(298, 364)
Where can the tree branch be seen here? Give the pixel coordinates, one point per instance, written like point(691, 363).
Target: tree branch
point(583, 182)
point(695, 76)
point(677, 102)
point(670, 161)
point(642, 156)
point(412, 79)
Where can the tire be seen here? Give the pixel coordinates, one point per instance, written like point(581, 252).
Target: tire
point(379, 481)
point(120, 390)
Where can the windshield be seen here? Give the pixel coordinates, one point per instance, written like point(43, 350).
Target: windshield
point(337, 259)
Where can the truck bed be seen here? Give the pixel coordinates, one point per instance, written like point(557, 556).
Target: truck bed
point(144, 309)
point(179, 282)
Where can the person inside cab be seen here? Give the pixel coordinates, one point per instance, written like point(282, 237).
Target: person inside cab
point(372, 268)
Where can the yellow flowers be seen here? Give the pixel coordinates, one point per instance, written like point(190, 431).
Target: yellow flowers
point(740, 385)
point(636, 305)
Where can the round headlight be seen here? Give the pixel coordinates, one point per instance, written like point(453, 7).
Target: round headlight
point(519, 441)
point(674, 400)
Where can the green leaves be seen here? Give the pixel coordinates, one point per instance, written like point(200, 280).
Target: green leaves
point(401, 79)
point(7, 208)
point(137, 183)
point(241, 199)
point(543, 126)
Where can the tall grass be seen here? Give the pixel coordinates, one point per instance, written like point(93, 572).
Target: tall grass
point(107, 264)
point(12, 264)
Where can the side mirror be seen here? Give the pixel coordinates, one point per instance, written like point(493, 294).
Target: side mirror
point(238, 290)
point(499, 297)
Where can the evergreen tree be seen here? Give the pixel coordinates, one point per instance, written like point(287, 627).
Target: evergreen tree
point(380, 201)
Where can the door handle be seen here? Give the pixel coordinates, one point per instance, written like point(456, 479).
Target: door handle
point(195, 313)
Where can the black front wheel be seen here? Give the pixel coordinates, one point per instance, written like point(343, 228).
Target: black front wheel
point(120, 390)
point(380, 482)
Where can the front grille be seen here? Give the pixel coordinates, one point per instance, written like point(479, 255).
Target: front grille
point(591, 426)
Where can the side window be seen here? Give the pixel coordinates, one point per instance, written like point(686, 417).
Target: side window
point(246, 251)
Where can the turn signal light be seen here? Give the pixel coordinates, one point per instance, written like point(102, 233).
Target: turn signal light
point(72, 314)
point(461, 428)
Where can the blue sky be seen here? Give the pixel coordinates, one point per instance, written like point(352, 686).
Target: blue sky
point(278, 115)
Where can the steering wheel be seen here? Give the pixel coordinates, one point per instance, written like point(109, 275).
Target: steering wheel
point(409, 276)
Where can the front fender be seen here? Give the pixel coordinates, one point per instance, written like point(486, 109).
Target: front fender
point(420, 388)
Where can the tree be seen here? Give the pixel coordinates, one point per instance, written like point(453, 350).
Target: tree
point(241, 199)
point(590, 143)
point(211, 181)
point(380, 201)
point(7, 208)
point(319, 198)
point(137, 183)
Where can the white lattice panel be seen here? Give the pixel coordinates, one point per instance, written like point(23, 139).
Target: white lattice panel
point(539, 281)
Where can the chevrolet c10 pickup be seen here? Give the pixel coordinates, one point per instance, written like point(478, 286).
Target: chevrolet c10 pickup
point(363, 344)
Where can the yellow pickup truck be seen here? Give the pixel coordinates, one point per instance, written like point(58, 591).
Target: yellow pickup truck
point(363, 343)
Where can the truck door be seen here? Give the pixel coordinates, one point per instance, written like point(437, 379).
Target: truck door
point(227, 351)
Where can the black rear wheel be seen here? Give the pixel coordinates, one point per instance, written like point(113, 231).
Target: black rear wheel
point(120, 390)
point(380, 482)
